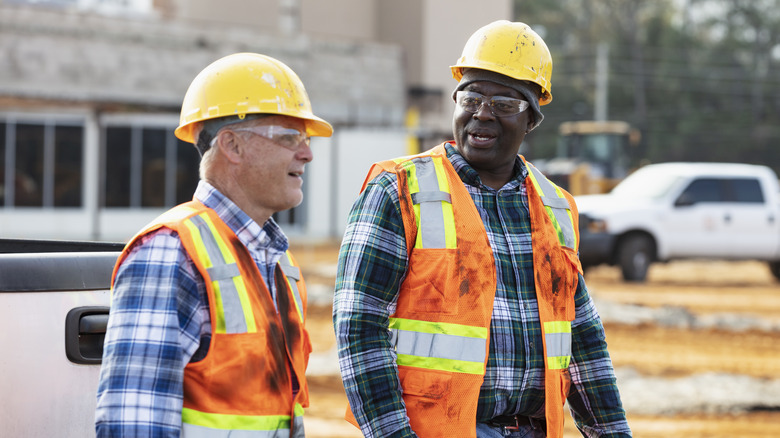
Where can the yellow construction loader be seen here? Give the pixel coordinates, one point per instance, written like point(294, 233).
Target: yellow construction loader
point(592, 156)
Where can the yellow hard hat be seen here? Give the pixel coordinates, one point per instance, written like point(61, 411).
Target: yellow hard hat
point(511, 49)
point(247, 83)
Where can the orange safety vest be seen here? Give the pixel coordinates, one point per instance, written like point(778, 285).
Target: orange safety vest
point(245, 382)
point(440, 329)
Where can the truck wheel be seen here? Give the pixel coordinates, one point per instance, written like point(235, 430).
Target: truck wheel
point(634, 256)
point(775, 268)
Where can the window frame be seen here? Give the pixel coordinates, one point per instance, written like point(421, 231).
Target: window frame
point(49, 122)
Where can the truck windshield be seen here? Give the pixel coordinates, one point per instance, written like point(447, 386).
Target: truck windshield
point(648, 183)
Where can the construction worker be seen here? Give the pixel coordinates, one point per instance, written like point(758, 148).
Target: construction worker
point(206, 332)
point(460, 307)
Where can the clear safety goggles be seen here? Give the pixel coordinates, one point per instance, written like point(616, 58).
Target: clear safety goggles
point(287, 138)
point(500, 106)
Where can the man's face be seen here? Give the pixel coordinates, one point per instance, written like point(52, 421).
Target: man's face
point(489, 143)
point(270, 173)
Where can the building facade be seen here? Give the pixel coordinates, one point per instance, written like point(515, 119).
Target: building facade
point(90, 93)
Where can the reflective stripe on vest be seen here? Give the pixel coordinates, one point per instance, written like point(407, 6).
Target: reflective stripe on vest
point(234, 313)
point(557, 206)
point(233, 310)
point(439, 345)
point(293, 274)
point(557, 336)
point(432, 201)
point(205, 425)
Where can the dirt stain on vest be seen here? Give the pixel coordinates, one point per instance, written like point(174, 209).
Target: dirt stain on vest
point(463, 287)
point(278, 379)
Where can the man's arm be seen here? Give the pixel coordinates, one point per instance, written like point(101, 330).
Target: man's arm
point(153, 329)
point(594, 397)
point(372, 264)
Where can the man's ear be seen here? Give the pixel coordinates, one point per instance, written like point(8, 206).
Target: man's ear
point(231, 146)
point(531, 121)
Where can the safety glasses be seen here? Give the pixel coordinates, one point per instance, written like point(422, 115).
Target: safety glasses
point(287, 138)
point(500, 106)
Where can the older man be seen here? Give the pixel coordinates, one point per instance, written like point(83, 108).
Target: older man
point(460, 307)
point(206, 332)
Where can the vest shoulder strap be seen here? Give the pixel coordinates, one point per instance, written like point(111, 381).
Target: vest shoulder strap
point(559, 204)
point(392, 165)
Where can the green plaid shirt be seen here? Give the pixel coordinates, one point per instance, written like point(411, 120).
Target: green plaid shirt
point(372, 265)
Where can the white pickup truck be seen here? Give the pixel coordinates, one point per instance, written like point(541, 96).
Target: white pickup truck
point(671, 211)
point(53, 312)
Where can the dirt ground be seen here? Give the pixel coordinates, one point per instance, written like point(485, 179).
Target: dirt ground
point(702, 288)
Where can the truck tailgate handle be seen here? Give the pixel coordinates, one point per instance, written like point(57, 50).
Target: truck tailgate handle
point(85, 330)
point(93, 324)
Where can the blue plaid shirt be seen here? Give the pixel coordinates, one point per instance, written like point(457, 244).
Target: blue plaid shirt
point(372, 265)
point(160, 321)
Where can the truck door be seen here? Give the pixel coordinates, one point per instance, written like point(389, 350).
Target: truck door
point(696, 222)
point(748, 216)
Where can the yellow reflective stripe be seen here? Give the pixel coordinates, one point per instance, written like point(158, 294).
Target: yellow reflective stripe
point(237, 422)
point(558, 362)
point(453, 365)
point(560, 345)
point(558, 230)
point(550, 213)
point(294, 288)
point(414, 187)
point(243, 295)
point(449, 217)
point(445, 328)
point(557, 327)
point(561, 235)
point(200, 248)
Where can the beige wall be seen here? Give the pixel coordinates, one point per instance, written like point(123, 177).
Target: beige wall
point(353, 19)
point(401, 22)
point(260, 14)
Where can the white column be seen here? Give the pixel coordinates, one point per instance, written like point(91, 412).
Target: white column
point(91, 172)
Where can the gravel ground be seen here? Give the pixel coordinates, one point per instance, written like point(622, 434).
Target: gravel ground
point(696, 348)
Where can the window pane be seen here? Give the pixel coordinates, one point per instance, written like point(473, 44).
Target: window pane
point(747, 190)
point(68, 153)
point(153, 178)
point(705, 190)
point(117, 167)
point(2, 163)
point(187, 163)
point(28, 185)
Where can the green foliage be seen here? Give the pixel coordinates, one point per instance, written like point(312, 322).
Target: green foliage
point(699, 78)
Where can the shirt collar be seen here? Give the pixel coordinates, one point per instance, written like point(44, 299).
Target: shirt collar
point(249, 232)
point(470, 176)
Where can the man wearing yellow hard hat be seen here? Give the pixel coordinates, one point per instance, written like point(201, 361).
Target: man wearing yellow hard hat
point(460, 306)
point(206, 332)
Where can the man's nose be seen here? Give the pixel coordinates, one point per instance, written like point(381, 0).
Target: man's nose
point(484, 111)
point(304, 153)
